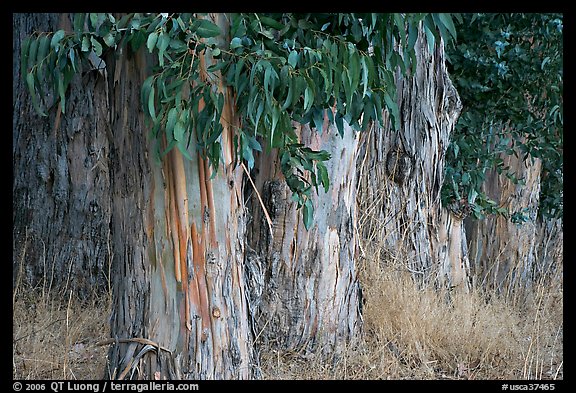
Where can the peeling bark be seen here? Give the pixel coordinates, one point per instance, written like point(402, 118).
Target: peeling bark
point(500, 250)
point(401, 174)
point(304, 289)
point(185, 289)
point(187, 286)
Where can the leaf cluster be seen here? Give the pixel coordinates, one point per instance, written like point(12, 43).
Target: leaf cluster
point(279, 68)
point(509, 74)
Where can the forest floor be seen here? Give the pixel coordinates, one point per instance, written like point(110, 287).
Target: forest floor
point(408, 333)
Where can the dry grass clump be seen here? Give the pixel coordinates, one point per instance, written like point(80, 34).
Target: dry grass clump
point(423, 333)
point(53, 336)
point(409, 333)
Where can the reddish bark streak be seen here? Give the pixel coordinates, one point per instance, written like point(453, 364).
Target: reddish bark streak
point(194, 295)
point(200, 276)
point(210, 202)
point(173, 219)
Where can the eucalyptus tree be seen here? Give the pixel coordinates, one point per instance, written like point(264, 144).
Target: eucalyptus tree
point(505, 161)
point(213, 157)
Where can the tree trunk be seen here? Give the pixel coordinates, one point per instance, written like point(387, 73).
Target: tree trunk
point(180, 310)
point(184, 288)
point(304, 292)
point(404, 211)
point(501, 251)
point(61, 179)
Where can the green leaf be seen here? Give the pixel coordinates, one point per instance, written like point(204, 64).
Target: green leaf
point(293, 58)
point(181, 23)
point(79, 19)
point(270, 76)
point(412, 35)
point(109, 39)
point(399, 22)
point(444, 33)
point(339, 120)
point(323, 175)
point(259, 112)
point(544, 62)
point(354, 70)
point(214, 155)
point(85, 44)
point(162, 44)
point(446, 20)
point(171, 122)
point(378, 108)
point(288, 100)
point(267, 33)
point(183, 149)
point(33, 51)
point(163, 41)
point(430, 39)
point(308, 98)
point(236, 43)
point(151, 109)
point(237, 71)
point(151, 42)
point(275, 117)
point(137, 40)
point(299, 86)
point(24, 56)
point(96, 46)
point(270, 22)
point(93, 20)
point(43, 48)
point(72, 56)
point(56, 38)
point(369, 113)
point(253, 143)
point(308, 213)
point(318, 118)
point(179, 130)
point(431, 32)
point(393, 107)
point(205, 28)
point(30, 83)
point(247, 153)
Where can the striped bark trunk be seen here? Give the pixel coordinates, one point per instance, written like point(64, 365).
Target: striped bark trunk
point(404, 210)
point(503, 253)
point(61, 180)
point(308, 296)
point(180, 310)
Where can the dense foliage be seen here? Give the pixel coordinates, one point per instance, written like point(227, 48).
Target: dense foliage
point(281, 68)
point(509, 74)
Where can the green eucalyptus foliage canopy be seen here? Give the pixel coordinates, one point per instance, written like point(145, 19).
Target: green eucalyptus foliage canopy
point(509, 74)
point(282, 68)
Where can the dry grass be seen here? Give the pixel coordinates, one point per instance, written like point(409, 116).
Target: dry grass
point(409, 333)
point(412, 333)
point(54, 336)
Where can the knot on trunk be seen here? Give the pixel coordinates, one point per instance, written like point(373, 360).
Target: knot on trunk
point(398, 165)
point(460, 208)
